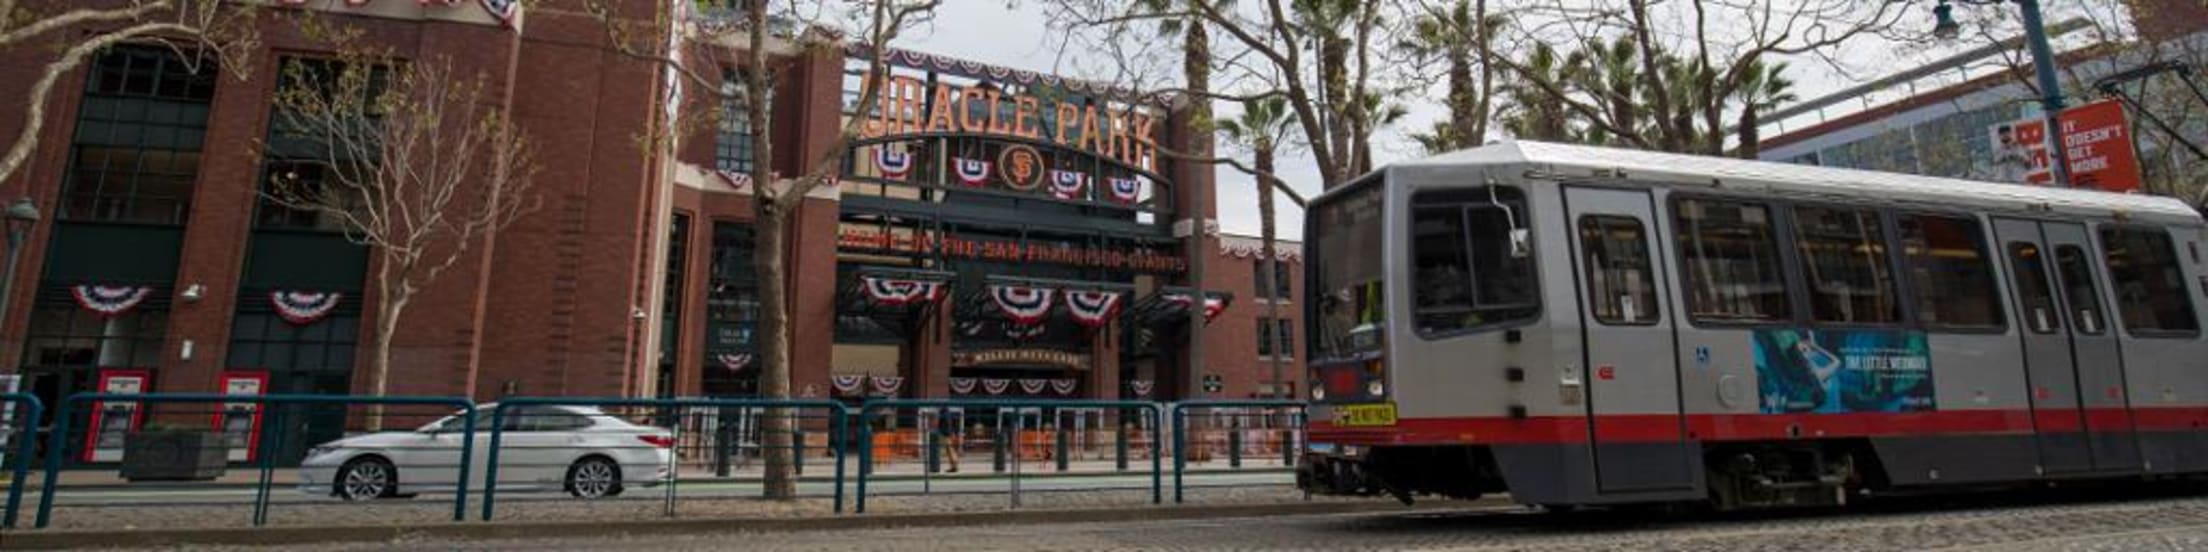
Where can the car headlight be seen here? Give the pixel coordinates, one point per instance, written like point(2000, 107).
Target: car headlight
point(1318, 393)
point(1374, 388)
point(321, 450)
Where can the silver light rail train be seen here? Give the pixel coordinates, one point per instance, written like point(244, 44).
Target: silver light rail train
point(1582, 326)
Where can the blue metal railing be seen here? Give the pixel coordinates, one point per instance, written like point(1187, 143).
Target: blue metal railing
point(1155, 413)
point(26, 442)
point(56, 456)
point(1181, 430)
point(837, 422)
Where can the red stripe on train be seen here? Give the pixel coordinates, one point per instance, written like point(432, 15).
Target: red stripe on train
point(1746, 427)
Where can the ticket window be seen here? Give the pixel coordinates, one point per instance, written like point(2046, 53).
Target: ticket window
point(240, 422)
point(113, 421)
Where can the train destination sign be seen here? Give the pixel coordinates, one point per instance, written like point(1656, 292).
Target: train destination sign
point(1125, 134)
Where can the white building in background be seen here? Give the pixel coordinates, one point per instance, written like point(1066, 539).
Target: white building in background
point(1947, 130)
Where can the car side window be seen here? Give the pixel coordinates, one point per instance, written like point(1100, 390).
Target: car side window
point(547, 419)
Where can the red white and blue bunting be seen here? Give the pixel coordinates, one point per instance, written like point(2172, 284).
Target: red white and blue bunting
point(973, 172)
point(734, 362)
point(963, 386)
point(109, 300)
point(1025, 305)
point(846, 385)
point(888, 385)
point(1212, 305)
point(1141, 387)
point(1067, 184)
point(1033, 386)
point(1092, 308)
point(1064, 387)
point(504, 10)
point(1124, 190)
point(995, 386)
point(304, 307)
point(899, 292)
point(894, 164)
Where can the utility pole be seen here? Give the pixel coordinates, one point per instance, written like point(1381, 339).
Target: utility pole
point(2043, 64)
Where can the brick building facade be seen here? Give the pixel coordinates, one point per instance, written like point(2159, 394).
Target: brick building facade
point(158, 260)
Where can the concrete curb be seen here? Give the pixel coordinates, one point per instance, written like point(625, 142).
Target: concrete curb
point(295, 536)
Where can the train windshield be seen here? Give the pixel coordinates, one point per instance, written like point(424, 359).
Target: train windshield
point(1345, 283)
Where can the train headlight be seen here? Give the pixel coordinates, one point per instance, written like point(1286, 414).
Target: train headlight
point(1374, 388)
point(1318, 393)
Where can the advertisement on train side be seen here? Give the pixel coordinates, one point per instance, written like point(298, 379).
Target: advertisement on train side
point(1841, 371)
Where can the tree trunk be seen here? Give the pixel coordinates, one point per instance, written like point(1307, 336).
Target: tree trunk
point(379, 354)
point(780, 481)
point(1463, 113)
point(1749, 136)
point(1271, 334)
point(1196, 69)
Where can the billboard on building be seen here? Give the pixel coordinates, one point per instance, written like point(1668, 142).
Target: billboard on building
point(2097, 137)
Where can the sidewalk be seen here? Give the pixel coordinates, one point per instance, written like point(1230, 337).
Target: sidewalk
point(816, 469)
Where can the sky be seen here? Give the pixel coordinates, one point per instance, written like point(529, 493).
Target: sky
point(1018, 34)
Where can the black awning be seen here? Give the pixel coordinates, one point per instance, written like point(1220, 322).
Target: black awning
point(1169, 306)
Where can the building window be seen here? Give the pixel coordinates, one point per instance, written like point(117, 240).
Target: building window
point(732, 149)
point(1274, 285)
point(262, 340)
point(299, 163)
point(731, 309)
point(1621, 287)
point(2150, 286)
point(1731, 254)
point(1283, 337)
point(1845, 263)
point(1954, 277)
point(137, 147)
point(1467, 273)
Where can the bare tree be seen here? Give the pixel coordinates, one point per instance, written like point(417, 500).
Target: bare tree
point(201, 31)
point(411, 160)
point(775, 197)
point(1665, 75)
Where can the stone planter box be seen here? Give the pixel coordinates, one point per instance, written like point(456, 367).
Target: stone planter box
point(173, 455)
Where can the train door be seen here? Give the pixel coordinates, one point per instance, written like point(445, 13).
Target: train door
point(1633, 408)
point(2102, 395)
point(2068, 348)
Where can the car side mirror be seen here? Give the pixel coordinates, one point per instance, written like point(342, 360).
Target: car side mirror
point(1521, 243)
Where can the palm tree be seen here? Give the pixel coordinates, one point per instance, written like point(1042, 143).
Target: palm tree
point(1762, 88)
point(1452, 35)
point(1264, 125)
point(1533, 112)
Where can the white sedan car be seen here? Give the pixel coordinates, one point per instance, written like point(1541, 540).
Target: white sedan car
point(581, 450)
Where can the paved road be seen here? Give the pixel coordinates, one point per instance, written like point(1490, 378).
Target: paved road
point(1997, 523)
point(211, 495)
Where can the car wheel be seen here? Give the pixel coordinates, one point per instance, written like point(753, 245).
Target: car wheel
point(366, 478)
point(594, 477)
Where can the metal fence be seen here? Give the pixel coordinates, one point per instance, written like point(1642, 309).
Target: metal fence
point(1238, 431)
point(931, 433)
point(200, 425)
point(715, 446)
point(20, 415)
point(654, 442)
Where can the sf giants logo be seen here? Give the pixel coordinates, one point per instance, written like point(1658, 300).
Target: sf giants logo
point(1021, 167)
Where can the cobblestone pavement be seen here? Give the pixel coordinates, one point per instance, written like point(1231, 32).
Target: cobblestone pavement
point(2030, 523)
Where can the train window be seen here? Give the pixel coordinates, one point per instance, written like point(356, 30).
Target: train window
point(2149, 284)
point(2077, 290)
point(2031, 288)
point(1732, 263)
point(1466, 272)
point(1844, 261)
point(1621, 288)
point(1953, 276)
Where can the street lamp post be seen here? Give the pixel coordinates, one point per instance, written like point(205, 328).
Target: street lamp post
point(21, 216)
point(2043, 64)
